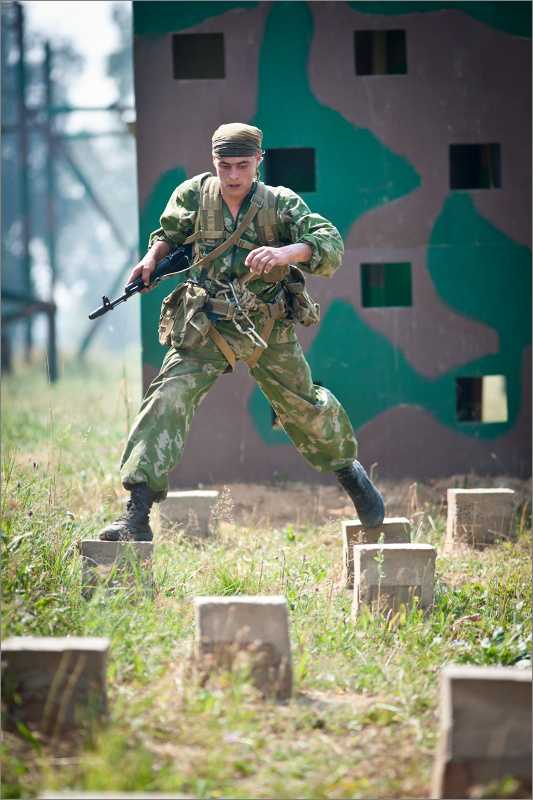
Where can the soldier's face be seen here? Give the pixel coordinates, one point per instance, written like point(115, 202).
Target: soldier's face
point(236, 174)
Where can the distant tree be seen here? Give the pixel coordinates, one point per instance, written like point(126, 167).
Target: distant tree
point(88, 255)
point(119, 64)
point(67, 64)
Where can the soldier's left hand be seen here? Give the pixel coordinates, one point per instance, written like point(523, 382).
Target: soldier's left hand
point(263, 259)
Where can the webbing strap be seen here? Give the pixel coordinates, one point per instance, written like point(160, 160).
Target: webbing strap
point(227, 309)
point(265, 335)
point(210, 217)
point(267, 218)
point(228, 352)
point(192, 238)
point(247, 245)
point(223, 346)
point(209, 224)
point(211, 204)
point(231, 240)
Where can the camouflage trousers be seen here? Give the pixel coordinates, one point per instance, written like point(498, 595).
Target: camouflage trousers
point(311, 415)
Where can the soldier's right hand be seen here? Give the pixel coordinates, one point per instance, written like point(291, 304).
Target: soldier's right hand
point(144, 268)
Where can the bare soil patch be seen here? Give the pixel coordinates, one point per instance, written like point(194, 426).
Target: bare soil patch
point(274, 505)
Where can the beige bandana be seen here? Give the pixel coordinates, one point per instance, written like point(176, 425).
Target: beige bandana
point(237, 139)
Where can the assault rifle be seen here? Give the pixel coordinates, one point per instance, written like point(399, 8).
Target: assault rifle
point(179, 260)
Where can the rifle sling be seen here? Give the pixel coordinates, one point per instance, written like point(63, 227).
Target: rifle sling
point(224, 347)
point(255, 205)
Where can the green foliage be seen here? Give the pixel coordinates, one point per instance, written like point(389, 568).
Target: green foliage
point(363, 689)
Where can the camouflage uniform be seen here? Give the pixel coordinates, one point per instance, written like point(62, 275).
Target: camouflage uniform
point(311, 415)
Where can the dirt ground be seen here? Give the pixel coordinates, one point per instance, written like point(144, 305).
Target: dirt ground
point(278, 504)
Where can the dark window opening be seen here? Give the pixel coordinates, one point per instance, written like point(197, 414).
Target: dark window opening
point(291, 166)
point(198, 56)
point(475, 166)
point(386, 284)
point(380, 52)
point(481, 399)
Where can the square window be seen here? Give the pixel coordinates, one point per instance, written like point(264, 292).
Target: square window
point(380, 52)
point(197, 56)
point(291, 166)
point(475, 166)
point(481, 399)
point(386, 284)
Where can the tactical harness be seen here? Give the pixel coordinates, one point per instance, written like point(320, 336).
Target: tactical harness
point(233, 300)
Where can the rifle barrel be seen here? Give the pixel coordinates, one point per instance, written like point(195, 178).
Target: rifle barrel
point(164, 269)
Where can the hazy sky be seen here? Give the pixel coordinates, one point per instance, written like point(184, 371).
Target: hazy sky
point(89, 26)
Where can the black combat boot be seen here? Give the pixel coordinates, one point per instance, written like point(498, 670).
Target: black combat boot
point(134, 524)
point(367, 500)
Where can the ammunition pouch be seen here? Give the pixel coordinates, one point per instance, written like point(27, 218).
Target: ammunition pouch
point(187, 312)
point(301, 305)
point(182, 323)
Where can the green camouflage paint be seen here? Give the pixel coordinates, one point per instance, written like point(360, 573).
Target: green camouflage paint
point(342, 150)
point(157, 18)
point(510, 17)
point(465, 250)
point(479, 272)
point(152, 352)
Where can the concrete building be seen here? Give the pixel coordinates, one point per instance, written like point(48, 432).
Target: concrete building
point(409, 126)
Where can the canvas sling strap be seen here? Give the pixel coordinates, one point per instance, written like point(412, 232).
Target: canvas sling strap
point(255, 204)
point(210, 226)
point(210, 219)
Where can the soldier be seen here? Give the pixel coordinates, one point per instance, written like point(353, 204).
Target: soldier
point(240, 301)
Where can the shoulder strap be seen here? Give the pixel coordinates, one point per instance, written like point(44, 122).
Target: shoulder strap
point(266, 220)
point(211, 221)
point(210, 217)
point(255, 205)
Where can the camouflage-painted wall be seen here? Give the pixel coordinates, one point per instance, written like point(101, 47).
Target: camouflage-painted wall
point(382, 176)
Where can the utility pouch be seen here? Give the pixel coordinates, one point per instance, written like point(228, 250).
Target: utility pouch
point(182, 323)
point(302, 307)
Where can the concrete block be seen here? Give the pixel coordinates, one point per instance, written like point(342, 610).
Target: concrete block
point(191, 510)
point(116, 563)
point(485, 730)
point(395, 530)
point(228, 628)
point(385, 576)
point(54, 684)
point(479, 517)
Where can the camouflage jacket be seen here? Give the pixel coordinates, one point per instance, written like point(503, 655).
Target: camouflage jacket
point(296, 223)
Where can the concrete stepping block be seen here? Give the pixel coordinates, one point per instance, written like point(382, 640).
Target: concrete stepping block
point(256, 628)
point(395, 530)
point(54, 684)
point(479, 517)
point(192, 510)
point(387, 575)
point(117, 563)
point(485, 730)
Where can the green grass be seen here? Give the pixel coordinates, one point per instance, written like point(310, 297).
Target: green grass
point(363, 720)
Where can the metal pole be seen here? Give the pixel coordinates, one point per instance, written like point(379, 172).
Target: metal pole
point(24, 167)
point(50, 215)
